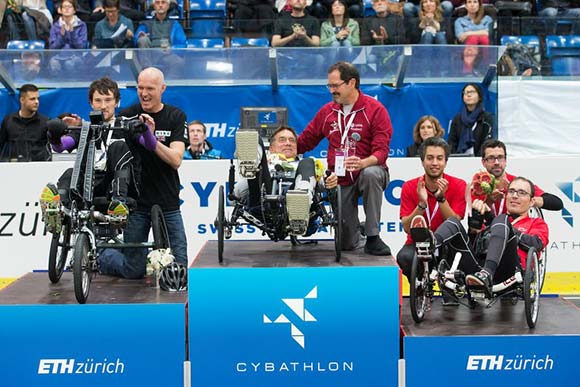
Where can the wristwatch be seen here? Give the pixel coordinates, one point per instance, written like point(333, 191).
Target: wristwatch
point(422, 206)
point(441, 199)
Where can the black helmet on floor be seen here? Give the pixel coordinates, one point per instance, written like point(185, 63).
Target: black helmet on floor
point(173, 277)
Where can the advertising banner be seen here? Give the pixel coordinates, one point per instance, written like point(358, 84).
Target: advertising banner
point(92, 345)
point(25, 244)
point(294, 326)
point(492, 361)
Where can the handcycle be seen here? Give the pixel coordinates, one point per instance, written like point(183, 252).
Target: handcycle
point(428, 279)
point(85, 227)
point(271, 217)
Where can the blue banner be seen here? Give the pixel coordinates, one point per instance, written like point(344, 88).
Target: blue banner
point(92, 345)
point(294, 326)
point(492, 361)
point(219, 107)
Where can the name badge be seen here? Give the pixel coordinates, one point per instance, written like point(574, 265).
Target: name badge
point(339, 167)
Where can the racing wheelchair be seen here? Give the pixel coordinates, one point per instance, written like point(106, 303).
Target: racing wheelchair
point(429, 278)
point(271, 216)
point(85, 228)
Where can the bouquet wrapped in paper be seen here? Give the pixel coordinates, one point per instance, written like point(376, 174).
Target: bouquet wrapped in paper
point(157, 260)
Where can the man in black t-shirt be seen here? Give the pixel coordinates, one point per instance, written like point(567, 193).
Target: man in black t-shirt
point(160, 155)
point(296, 29)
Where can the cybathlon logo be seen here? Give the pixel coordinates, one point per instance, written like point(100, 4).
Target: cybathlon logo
point(86, 367)
point(570, 189)
point(297, 306)
point(504, 363)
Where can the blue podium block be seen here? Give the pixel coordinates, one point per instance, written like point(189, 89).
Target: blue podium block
point(294, 326)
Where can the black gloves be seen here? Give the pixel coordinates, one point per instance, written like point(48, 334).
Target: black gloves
point(56, 129)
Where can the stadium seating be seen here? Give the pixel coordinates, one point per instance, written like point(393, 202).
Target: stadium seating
point(208, 18)
point(564, 54)
point(250, 42)
point(25, 45)
point(205, 43)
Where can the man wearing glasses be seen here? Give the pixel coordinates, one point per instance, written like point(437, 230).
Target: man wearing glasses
point(494, 160)
point(509, 237)
point(359, 130)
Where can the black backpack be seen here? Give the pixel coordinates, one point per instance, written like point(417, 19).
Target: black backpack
point(522, 57)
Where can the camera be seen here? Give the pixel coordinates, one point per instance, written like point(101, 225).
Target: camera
point(136, 126)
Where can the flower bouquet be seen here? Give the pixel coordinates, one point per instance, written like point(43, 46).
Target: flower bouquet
point(156, 261)
point(482, 184)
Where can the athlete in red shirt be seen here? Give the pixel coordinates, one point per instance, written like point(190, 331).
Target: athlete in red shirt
point(435, 196)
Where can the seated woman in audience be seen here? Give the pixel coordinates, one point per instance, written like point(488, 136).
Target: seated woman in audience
point(115, 30)
point(474, 27)
point(432, 24)
point(339, 30)
point(472, 125)
point(426, 127)
point(68, 31)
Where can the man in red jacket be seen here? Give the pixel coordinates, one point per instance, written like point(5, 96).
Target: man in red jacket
point(359, 130)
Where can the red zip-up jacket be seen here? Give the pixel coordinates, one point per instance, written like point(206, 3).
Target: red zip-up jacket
point(371, 122)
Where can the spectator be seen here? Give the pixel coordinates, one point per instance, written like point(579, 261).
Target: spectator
point(412, 8)
point(253, 15)
point(473, 28)
point(161, 155)
point(426, 127)
point(200, 148)
point(27, 14)
point(358, 129)
point(472, 125)
point(383, 28)
point(432, 24)
point(132, 9)
point(471, 61)
point(68, 32)
point(160, 31)
point(322, 9)
point(435, 196)
point(296, 29)
point(23, 133)
point(339, 30)
point(115, 31)
point(560, 8)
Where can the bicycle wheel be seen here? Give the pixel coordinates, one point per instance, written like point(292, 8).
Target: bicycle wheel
point(82, 268)
point(59, 249)
point(532, 289)
point(418, 290)
point(160, 234)
point(220, 222)
point(338, 225)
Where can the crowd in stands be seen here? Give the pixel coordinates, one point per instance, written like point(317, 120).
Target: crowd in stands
point(114, 23)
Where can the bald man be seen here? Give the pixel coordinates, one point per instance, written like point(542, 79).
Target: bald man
point(160, 156)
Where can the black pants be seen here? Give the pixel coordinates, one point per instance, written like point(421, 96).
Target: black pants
point(502, 249)
point(119, 181)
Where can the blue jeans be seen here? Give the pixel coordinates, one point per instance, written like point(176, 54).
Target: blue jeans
point(429, 38)
point(131, 263)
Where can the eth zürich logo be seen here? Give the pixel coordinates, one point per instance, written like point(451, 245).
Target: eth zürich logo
point(571, 190)
point(297, 306)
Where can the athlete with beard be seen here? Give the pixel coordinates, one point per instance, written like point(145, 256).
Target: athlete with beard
point(435, 196)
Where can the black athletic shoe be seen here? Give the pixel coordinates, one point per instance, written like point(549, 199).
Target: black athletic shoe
point(377, 247)
point(480, 279)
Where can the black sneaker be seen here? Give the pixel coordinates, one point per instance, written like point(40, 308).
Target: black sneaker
point(449, 300)
point(480, 279)
point(377, 247)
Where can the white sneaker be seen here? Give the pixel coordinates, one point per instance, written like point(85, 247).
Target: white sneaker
point(247, 152)
point(298, 209)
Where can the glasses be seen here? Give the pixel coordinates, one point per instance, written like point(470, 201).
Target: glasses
point(66, 6)
point(114, 10)
point(518, 192)
point(334, 85)
point(291, 140)
point(492, 159)
point(469, 92)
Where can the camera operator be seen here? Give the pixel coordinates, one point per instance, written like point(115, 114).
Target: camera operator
point(161, 155)
point(116, 173)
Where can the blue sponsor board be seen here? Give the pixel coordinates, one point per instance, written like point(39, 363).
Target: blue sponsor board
point(294, 326)
point(492, 360)
point(92, 345)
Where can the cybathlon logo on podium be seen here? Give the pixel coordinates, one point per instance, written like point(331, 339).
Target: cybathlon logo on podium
point(289, 327)
point(299, 309)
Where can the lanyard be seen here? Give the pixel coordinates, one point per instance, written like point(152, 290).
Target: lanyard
point(430, 215)
point(344, 133)
point(499, 210)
